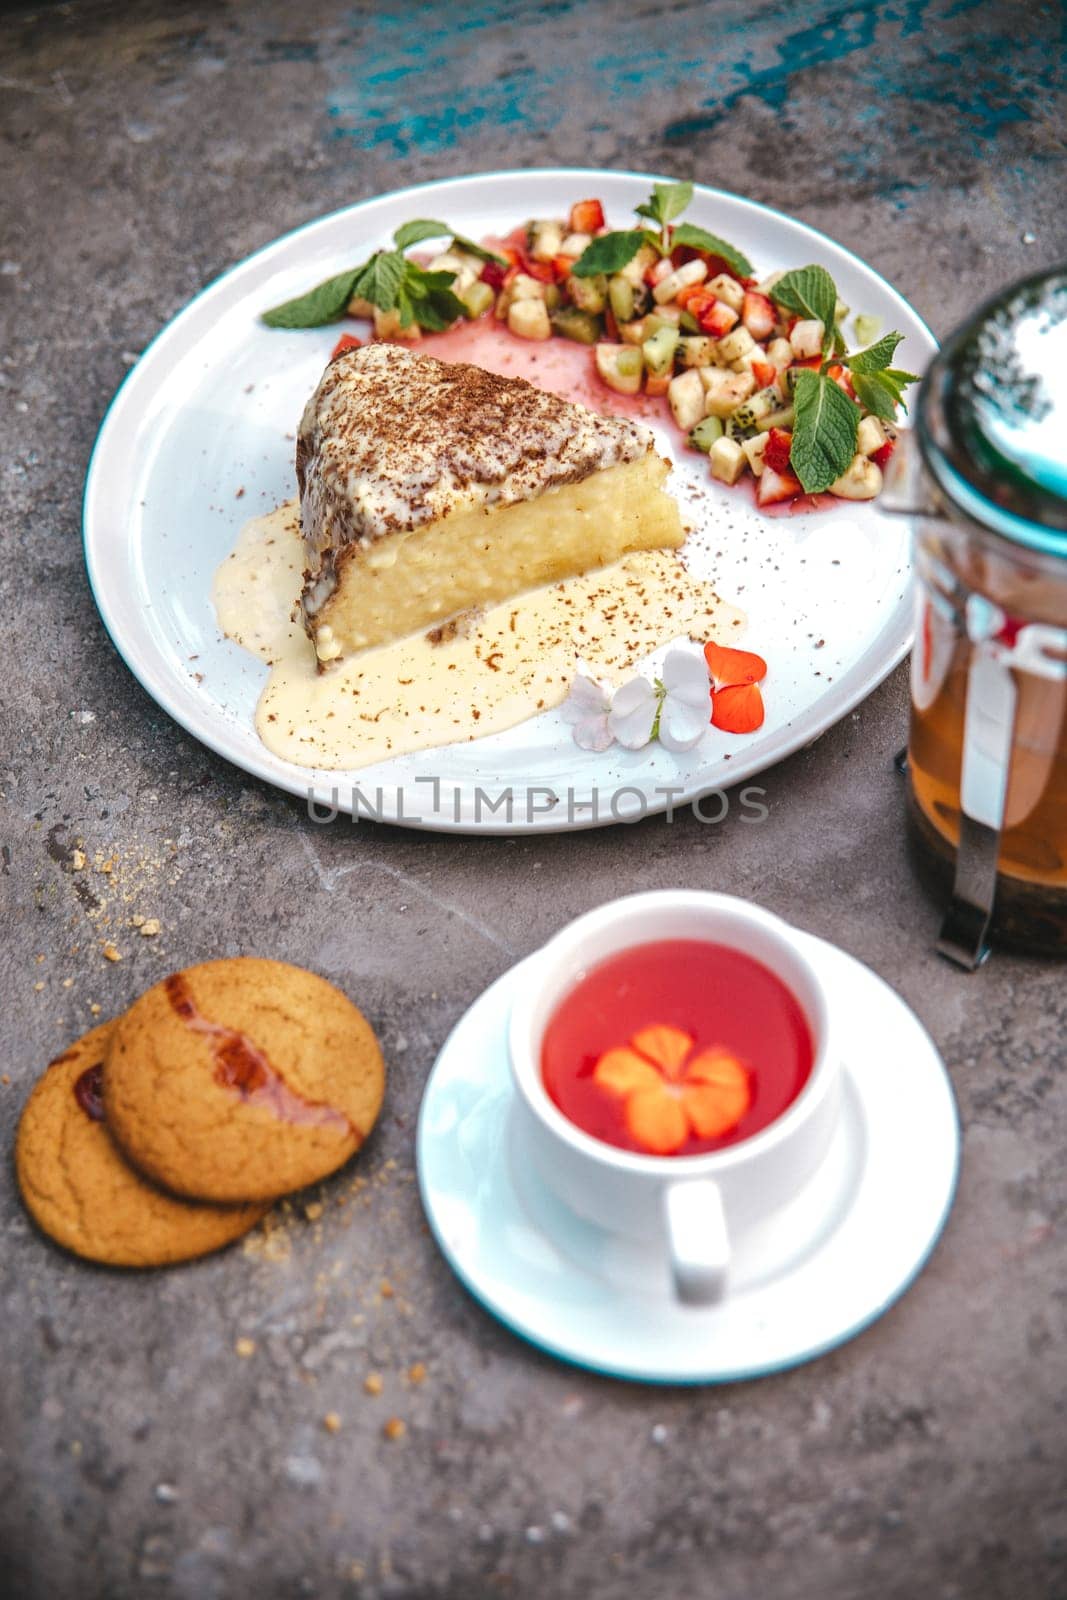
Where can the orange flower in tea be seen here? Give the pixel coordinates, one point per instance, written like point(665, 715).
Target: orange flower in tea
point(675, 1048)
point(669, 1093)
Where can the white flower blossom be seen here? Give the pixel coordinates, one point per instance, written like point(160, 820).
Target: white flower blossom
point(685, 711)
point(586, 709)
point(675, 708)
point(632, 718)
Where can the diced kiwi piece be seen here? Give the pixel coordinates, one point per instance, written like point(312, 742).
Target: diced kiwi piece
point(704, 435)
point(582, 326)
point(553, 296)
point(621, 297)
point(746, 418)
point(782, 418)
point(658, 351)
point(588, 294)
point(477, 298)
point(688, 323)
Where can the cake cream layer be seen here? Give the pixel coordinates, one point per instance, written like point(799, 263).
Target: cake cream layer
point(429, 488)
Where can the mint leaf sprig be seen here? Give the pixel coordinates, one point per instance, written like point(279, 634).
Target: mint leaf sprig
point(388, 281)
point(879, 386)
point(826, 420)
point(612, 251)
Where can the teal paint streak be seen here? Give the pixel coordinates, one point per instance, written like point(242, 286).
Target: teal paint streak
point(433, 79)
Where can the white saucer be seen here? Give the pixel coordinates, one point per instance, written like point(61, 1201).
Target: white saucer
point(818, 1274)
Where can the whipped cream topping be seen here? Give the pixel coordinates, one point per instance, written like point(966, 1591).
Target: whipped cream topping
point(392, 439)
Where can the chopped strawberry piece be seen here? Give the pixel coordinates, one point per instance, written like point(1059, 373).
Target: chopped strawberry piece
point(814, 362)
point(738, 708)
point(693, 297)
point(658, 271)
point(775, 486)
point(611, 327)
point(543, 271)
point(882, 454)
point(347, 341)
point(718, 320)
point(842, 378)
point(757, 314)
point(777, 449)
point(562, 267)
point(765, 373)
point(493, 274)
point(729, 667)
point(587, 216)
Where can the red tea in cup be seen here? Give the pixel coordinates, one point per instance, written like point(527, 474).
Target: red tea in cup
point(676, 1048)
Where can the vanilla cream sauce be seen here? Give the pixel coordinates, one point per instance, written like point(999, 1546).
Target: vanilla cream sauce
point(498, 668)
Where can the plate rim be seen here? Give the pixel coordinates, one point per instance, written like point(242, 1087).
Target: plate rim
point(666, 1379)
point(296, 780)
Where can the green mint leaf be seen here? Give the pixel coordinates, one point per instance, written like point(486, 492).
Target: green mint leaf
point(608, 253)
point(700, 239)
point(429, 298)
point(380, 279)
point(874, 396)
point(882, 392)
point(810, 293)
point(824, 429)
point(410, 233)
point(479, 250)
point(876, 356)
point(325, 303)
point(667, 201)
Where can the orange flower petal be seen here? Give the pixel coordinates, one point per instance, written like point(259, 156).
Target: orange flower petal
point(656, 1121)
point(737, 709)
point(623, 1072)
point(717, 1093)
point(712, 1111)
point(666, 1046)
point(729, 667)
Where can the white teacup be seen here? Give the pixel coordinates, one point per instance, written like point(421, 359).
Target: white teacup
point(699, 1206)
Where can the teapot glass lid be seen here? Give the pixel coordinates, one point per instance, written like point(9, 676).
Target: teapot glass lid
point(993, 414)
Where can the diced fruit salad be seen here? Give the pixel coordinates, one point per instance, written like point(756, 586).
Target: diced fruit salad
point(756, 372)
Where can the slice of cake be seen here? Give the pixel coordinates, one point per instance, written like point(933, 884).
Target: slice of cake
point(428, 488)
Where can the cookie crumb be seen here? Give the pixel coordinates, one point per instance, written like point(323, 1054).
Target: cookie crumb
point(417, 1372)
point(386, 1289)
point(244, 1347)
point(394, 1428)
point(149, 927)
point(37, 988)
point(136, 922)
point(111, 954)
point(78, 861)
point(68, 983)
point(5, 1079)
point(94, 1008)
point(313, 1210)
point(372, 1383)
point(331, 1422)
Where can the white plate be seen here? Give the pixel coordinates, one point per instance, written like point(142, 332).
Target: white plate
point(211, 408)
point(848, 1246)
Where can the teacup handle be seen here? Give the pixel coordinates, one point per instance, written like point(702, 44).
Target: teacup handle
point(697, 1239)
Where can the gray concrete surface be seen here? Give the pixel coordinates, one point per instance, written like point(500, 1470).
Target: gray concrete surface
point(145, 148)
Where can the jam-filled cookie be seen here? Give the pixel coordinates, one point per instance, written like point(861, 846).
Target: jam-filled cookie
point(83, 1194)
point(242, 1080)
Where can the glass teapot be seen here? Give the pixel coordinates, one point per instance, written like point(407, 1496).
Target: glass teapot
point(985, 471)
